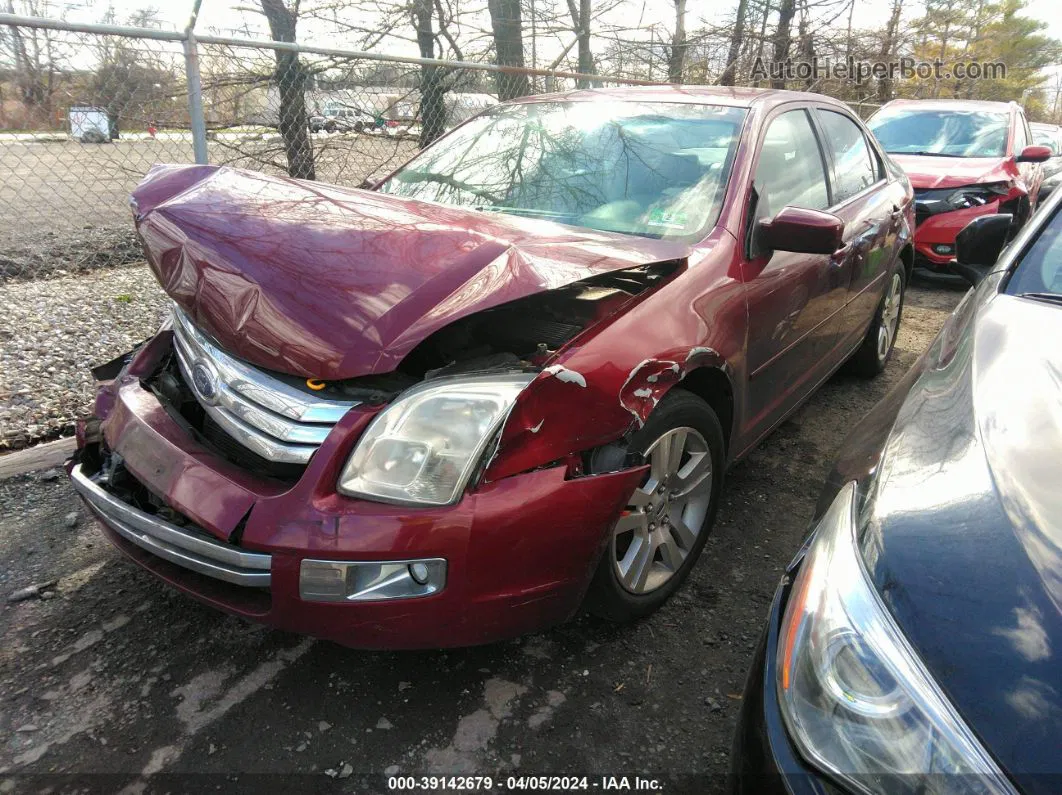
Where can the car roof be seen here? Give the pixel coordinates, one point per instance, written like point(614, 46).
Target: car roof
point(737, 97)
point(1040, 125)
point(955, 104)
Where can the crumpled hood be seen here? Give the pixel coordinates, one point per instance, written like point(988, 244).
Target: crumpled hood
point(327, 282)
point(927, 172)
point(964, 535)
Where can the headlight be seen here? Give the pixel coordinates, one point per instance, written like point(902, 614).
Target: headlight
point(423, 447)
point(978, 195)
point(855, 699)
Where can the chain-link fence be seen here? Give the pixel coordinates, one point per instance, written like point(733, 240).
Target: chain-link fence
point(86, 110)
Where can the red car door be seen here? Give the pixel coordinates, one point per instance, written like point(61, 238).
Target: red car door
point(794, 300)
point(873, 218)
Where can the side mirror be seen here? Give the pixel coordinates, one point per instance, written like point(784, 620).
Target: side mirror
point(979, 244)
point(802, 231)
point(1035, 154)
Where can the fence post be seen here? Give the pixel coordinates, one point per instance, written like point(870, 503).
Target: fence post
point(195, 97)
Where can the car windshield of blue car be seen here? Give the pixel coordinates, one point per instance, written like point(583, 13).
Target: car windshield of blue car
point(944, 133)
point(1039, 274)
point(651, 169)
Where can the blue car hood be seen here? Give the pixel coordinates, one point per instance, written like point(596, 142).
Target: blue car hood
point(963, 533)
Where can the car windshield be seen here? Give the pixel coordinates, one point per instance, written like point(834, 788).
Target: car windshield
point(1039, 274)
point(950, 133)
point(650, 169)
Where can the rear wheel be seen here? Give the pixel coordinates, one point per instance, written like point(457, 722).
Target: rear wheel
point(661, 532)
point(872, 356)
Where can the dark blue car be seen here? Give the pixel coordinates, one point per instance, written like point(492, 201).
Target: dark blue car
point(915, 643)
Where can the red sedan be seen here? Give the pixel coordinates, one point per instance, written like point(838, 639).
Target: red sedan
point(965, 159)
point(507, 382)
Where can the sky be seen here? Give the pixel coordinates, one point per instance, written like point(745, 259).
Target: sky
point(225, 17)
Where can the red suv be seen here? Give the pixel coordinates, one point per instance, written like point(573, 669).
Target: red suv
point(505, 383)
point(964, 159)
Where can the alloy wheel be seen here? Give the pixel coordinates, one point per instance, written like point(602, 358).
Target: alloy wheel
point(890, 316)
point(659, 527)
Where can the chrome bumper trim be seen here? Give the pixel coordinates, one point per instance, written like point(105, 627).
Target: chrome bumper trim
point(173, 543)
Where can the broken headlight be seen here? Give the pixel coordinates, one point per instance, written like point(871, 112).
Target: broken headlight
point(424, 447)
point(854, 696)
point(978, 195)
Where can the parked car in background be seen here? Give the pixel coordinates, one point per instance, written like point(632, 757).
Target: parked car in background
point(507, 382)
point(342, 119)
point(1049, 135)
point(965, 159)
point(913, 644)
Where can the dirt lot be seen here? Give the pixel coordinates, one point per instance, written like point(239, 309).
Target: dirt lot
point(116, 679)
point(64, 205)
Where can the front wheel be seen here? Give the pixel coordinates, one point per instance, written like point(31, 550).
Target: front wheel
point(872, 356)
point(660, 534)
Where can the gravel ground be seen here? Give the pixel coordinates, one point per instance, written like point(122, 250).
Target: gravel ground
point(52, 331)
point(116, 680)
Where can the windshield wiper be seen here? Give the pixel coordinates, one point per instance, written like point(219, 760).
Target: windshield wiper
point(924, 154)
point(1051, 298)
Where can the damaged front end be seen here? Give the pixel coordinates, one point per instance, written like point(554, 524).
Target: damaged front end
point(282, 324)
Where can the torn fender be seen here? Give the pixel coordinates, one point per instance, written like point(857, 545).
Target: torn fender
point(570, 408)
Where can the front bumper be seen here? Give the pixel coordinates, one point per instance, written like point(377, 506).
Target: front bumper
point(941, 229)
point(519, 552)
point(763, 759)
point(188, 548)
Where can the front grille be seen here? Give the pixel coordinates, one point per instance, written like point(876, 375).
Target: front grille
point(931, 201)
point(269, 417)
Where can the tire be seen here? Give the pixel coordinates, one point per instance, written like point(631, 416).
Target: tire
point(870, 358)
point(648, 556)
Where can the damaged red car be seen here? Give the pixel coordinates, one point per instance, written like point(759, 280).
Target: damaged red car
point(505, 383)
point(965, 159)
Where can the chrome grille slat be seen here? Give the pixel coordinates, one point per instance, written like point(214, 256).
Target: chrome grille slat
point(273, 419)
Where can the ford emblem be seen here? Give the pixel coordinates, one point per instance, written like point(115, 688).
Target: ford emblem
point(205, 382)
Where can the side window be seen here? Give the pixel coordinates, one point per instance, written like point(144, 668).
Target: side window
point(855, 165)
point(790, 171)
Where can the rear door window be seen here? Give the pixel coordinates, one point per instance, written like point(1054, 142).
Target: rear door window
point(855, 167)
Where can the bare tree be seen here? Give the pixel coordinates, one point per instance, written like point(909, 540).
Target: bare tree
point(32, 53)
point(676, 64)
point(581, 14)
point(507, 27)
point(889, 47)
point(291, 85)
point(783, 37)
point(737, 39)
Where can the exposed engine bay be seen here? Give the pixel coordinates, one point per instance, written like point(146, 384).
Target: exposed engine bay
point(521, 335)
point(527, 332)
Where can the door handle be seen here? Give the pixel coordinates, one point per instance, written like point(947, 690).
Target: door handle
point(840, 255)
